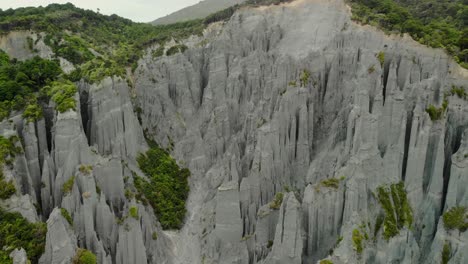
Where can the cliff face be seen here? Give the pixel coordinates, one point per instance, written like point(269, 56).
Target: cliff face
point(297, 126)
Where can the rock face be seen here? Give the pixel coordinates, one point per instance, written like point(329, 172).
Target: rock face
point(293, 99)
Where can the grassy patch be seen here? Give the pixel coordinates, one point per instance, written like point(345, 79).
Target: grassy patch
point(446, 253)
point(435, 113)
point(276, 203)
point(176, 49)
point(134, 212)
point(167, 187)
point(86, 169)
point(459, 91)
point(381, 57)
point(326, 261)
point(456, 218)
point(357, 241)
point(66, 215)
point(304, 78)
point(68, 185)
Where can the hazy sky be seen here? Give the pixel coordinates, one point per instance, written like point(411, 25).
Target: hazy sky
point(136, 10)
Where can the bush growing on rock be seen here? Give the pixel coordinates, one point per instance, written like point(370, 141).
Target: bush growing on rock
point(17, 232)
point(456, 218)
point(276, 203)
point(398, 212)
point(84, 256)
point(167, 187)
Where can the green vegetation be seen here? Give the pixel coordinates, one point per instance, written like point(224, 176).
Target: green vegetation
point(276, 203)
point(398, 212)
point(167, 187)
point(154, 235)
point(371, 69)
point(158, 52)
point(33, 112)
point(7, 188)
point(331, 183)
point(176, 49)
point(437, 113)
point(17, 232)
point(66, 215)
point(86, 169)
point(8, 151)
point(381, 57)
point(292, 83)
point(446, 252)
point(62, 93)
point(357, 241)
point(134, 212)
point(84, 256)
point(435, 23)
point(326, 261)
point(304, 78)
point(68, 185)
point(21, 81)
point(459, 91)
point(456, 218)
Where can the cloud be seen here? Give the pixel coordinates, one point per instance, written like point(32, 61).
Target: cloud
point(136, 10)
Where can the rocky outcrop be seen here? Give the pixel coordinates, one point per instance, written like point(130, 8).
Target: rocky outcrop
point(291, 101)
point(286, 97)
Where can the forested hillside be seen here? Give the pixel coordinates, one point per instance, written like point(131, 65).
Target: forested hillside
point(436, 23)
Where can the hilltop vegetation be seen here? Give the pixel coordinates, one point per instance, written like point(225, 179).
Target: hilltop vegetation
point(435, 23)
point(24, 85)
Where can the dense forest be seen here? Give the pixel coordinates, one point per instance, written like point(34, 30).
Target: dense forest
point(435, 23)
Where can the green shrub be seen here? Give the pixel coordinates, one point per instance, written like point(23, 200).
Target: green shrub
point(381, 57)
point(304, 78)
point(63, 94)
point(8, 151)
point(435, 113)
point(398, 212)
point(176, 49)
point(456, 218)
point(86, 169)
point(357, 241)
point(331, 183)
point(167, 188)
point(66, 215)
point(446, 252)
point(371, 69)
point(459, 91)
point(159, 52)
point(17, 232)
point(7, 188)
point(154, 235)
point(326, 261)
point(276, 203)
point(84, 256)
point(134, 212)
point(68, 185)
point(5, 258)
point(33, 112)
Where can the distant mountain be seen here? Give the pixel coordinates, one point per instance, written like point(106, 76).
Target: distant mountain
point(200, 10)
